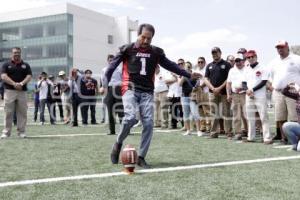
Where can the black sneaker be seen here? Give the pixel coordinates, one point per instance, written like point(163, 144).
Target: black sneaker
point(238, 137)
point(74, 124)
point(277, 137)
point(142, 163)
point(115, 152)
point(284, 141)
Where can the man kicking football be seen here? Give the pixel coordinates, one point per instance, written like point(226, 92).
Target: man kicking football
point(139, 62)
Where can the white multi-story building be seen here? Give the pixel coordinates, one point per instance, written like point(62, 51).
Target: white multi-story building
point(59, 37)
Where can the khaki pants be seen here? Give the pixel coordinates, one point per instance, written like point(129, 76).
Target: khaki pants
point(204, 110)
point(285, 107)
point(238, 111)
point(220, 108)
point(15, 101)
point(161, 109)
point(67, 105)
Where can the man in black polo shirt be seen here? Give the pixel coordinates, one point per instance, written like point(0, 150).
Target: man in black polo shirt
point(15, 74)
point(215, 78)
point(88, 90)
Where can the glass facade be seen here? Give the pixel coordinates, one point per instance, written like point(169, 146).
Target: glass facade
point(46, 42)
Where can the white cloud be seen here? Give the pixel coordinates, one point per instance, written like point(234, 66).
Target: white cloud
point(168, 41)
point(135, 4)
point(200, 43)
point(140, 8)
point(126, 3)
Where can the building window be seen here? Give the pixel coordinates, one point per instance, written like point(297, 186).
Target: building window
point(10, 34)
point(57, 51)
point(32, 31)
point(110, 39)
point(5, 54)
point(57, 28)
point(31, 53)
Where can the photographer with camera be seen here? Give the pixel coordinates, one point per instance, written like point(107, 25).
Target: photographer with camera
point(89, 91)
point(45, 96)
point(74, 84)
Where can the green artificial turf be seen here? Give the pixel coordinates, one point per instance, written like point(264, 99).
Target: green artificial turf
point(48, 157)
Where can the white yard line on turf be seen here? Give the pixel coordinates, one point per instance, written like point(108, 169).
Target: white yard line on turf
point(155, 170)
point(90, 134)
point(282, 146)
point(66, 135)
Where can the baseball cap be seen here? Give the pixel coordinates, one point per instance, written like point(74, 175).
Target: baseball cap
point(50, 76)
point(251, 53)
point(61, 73)
point(282, 43)
point(242, 50)
point(216, 49)
point(239, 56)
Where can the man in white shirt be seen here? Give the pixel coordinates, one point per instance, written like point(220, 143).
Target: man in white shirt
point(284, 69)
point(45, 97)
point(236, 95)
point(160, 100)
point(256, 77)
point(203, 91)
point(112, 96)
point(174, 95)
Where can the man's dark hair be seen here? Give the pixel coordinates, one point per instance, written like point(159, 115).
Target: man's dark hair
point(148, 27)
point(110, 56)
point(202, 58)
point(43, 74)
point(16, 48)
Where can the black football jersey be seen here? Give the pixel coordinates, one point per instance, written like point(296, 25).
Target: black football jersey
point(139, 67)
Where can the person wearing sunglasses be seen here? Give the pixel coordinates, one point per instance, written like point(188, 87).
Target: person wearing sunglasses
point(256, 78)
point(202, 101)
point(236, 94)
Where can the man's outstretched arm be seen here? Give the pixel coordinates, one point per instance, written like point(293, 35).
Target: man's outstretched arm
point(173, 67)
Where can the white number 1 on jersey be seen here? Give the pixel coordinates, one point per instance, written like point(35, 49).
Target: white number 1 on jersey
point(143, 70)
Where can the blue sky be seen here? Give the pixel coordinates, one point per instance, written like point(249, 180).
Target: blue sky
point(190, 29)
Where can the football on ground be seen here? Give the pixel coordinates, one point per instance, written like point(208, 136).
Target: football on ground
point(129, 158)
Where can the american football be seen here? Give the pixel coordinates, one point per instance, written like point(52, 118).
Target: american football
point(129, 158)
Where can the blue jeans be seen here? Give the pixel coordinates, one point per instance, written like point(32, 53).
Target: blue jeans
point(195, 110)
point(131, 101)
point(292, 131)
point(186, 108)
